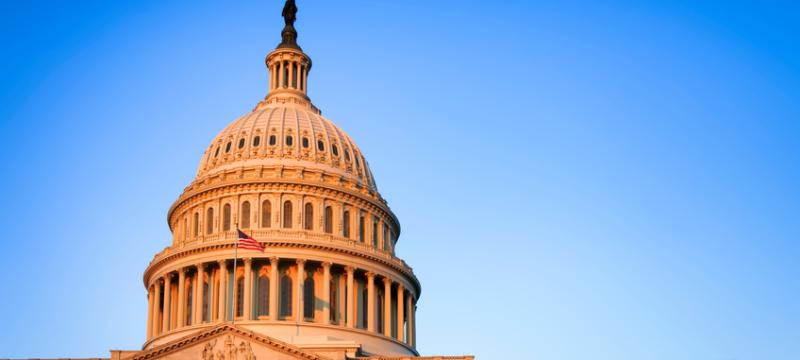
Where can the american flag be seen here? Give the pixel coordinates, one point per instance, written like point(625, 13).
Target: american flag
point(247, 242)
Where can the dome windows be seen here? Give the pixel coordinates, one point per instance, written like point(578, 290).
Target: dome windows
point(228, 147)
point(216, 152)
point(256, 141)
point(346, 155)
point(305, 142)
point(320, 145)
point(289, 140)
point(241, 143)
point(273, 140)
point(335, 150)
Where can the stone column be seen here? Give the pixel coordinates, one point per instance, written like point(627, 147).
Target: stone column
point(197, 307)
point(370, 302)
point(280, 75)
point(413, 322)
point(273, 288)
point(181, 297)
point(301, 276)
point(223, 291)
point(157, 309)
point(326, 292)
point(150, 298)
point(410, 322)
point(248, 291)
point(167, 302)
point(401, 294)
point(387, 306)
point(349, 291)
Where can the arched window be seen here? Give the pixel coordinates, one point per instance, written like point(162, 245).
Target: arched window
point(216, 152)
point(335, 150)
point(196, 225)
point(328, 219)
point(273, 140)
point(364, 307)
point(241, 143)
point(334, 305)
point(189, 302)
point(386, 239)
point(256, 141)
point(263, 296)
point(209, 220)
point(244, 217)
point(346, 155)
point(286, 295)
point(308, 297)
point(226, 217)
point(346, 224)
point(320, 145)
point(287, 214)
point(266, 214)
point(240, 296)
point(305, 142)
point(205, 296)
point(374, 232)
point(289, 140)
point(228, 147)
point(308, 217)
point(361, 228)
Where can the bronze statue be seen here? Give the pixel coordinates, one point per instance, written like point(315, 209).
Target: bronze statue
point(289, 12)
point(289, 34)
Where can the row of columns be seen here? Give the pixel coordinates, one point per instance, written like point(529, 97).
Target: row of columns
point(160, 317)
point(289, 74)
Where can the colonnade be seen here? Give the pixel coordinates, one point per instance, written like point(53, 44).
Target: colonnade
point(289, 75)
point(349, 297)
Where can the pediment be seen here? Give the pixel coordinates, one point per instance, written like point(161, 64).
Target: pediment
point(226, 342)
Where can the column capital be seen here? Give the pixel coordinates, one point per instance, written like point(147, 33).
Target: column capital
point(273, 260)
point(370, 275)
point(300, 261)
point(349, 269)
point(222, 263)
point(326, 265)
point(400, 287)
point(387, 281)
point(199, 266)
point(247, 260)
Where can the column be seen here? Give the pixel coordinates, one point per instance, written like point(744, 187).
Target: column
point(280, 75)
point(223, 291)
point(157, 308)
point(181, 297)
point(370, 302)
point(414, 322)
point(326, 292)
point(410, 322)
point(197, 307)
point(248, 289)
point(273, 288)
point(150, 298)
point(292, 72)
point(349, 291)
point(387, 306)
point(167, 302)
point(305, 79)
point(400, 308)
point(301, 277)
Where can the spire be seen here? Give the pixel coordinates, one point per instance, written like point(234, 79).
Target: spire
point(289, 34)
point(288, 67)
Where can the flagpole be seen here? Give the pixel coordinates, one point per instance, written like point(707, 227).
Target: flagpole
point(235, 283)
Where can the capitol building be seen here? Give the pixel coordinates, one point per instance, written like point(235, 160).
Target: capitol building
point(327, 284)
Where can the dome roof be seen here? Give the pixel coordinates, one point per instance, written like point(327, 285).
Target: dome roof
point(283, 134)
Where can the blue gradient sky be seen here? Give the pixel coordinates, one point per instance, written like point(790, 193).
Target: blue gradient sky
point(599, 180)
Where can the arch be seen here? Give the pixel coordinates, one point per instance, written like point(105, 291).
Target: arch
point(226, 217)
point(196, 226)
point(308, 297)
point(287, 214)
point(308, 217)
point(346, 224)
point(286, 295)
point(244, 217)
point(328, 219)
point(210, 220)
point(262, 298)
point(266, 214)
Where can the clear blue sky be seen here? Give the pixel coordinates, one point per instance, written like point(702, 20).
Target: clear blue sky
point(599, 180)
